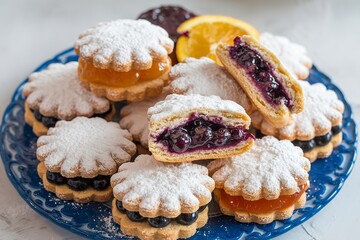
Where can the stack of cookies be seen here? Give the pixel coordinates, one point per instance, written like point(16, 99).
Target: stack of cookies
point(176, 116)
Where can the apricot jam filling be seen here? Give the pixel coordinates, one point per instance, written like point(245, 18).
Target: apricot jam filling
point(111, 78)
point(238, 203)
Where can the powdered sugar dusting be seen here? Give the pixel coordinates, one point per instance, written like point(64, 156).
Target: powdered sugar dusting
point(322, 109)
point(203, 76)
point(269, 165)
point(134, 117)
point(159, 184)
point(176, 103)
point(85, 147)
point(293, 55)
point(57, 92)
point(124, 43)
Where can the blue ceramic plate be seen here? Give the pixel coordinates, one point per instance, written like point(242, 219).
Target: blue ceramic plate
point(93, 220)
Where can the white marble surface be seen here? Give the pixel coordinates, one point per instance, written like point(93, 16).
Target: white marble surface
point(33, 31)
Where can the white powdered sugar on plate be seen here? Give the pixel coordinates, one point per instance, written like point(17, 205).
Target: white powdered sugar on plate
point(270, 165)
point(85, 147)
point(134, 117)
point(161, 185)
point(57, 92)
point(124, 44)
point(293, 55)
point(203, 76)
point(175, 103)
point(322, 109)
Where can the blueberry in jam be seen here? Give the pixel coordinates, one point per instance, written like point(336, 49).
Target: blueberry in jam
point(37, 115)
point(101, 182)
point(77, 183)
point(135, 216)
point(179, 140)
point(202, 208)
point(49, 121)
point(201, 135)
point(159, 222)
point(120, 206)
point(199, 132)
point(336, 129)
point(187, 218)
point(260, 71)
point(323, 140)
point(306, 146)
point(221, 136)
point(167, 17)
point(55, 178)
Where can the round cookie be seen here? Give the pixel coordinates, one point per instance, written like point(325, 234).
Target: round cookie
point(78, 157)
point(257, 185)
point(317, 129)
point(195, 127)
point(269, 85)
point(161, 200)
point(124, 59)
point(56, 94)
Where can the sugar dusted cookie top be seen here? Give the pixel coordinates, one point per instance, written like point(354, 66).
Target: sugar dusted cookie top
point(322, 111)
point(269, 169)
point(175, 103)
point(293, 55)
point(124, 44)
point(203, 76)
point(155, 188)
point(57, 92)
point(85, 147)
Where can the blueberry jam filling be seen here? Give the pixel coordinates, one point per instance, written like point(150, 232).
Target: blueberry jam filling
point(261, 72)
point(168, 17)
point(79, 184)
point(187, 218)
point(318, 141)
point(51, 121)
point(135, 216)
point(55, 178)
point(201, 133)
point(160, 221)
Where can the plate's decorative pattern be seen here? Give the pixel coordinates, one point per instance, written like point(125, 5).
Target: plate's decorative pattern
point(93, 220)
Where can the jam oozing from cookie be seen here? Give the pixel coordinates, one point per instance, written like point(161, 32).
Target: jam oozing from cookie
point(111, 78)
point(260, 72)
point(160, 221)
point(238, 203)
point(201, 133)
point(168, 17)
point(79, 184)
point(318, 141)
point(51, 121)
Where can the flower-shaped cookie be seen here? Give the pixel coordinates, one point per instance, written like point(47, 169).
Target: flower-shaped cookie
point(85, 147)
point(203, 76)
point(322, 111)
point(134, 117)
point(291, 54)
point(269, 169)
point(162, 189)
point(57, 92)
point(124, 45)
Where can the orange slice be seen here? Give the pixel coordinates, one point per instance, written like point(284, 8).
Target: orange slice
point(201, 35)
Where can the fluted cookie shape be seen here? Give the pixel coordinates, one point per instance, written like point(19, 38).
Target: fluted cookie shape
point(85, 147)
point(57, 92)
